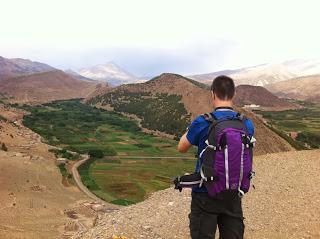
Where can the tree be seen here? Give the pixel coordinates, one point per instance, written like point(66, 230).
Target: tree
point(96, 153)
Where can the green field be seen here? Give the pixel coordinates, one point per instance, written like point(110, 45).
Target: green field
point(305, 121)
point(113, 139)
point(163, 112)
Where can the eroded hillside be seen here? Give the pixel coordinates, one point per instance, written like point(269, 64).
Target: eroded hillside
point(34, 202)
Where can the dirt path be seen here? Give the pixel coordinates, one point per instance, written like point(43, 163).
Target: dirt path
point(83, 188)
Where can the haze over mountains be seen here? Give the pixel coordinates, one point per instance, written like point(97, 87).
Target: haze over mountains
point(109, 72)
point(284, 79)
point(77, 76)
point(264, 74)
point(301, 88)
point(25, 81)
point(44, 87)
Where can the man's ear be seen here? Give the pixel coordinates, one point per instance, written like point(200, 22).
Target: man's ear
point(213, 95)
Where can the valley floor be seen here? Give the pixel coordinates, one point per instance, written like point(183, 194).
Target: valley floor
point(285, 204)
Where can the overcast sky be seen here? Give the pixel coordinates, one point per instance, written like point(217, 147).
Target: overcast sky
point(147, 37)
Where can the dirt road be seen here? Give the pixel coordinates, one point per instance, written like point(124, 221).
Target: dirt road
point(83, 188)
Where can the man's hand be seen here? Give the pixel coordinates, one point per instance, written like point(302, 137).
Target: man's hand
point(184, 144)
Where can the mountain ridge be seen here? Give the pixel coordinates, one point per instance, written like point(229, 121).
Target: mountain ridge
point(18, 66)
point(300, 88)
point(77, 76)
point(267, 73)
point(195, 100)
point(258, 95)
point(43, 87)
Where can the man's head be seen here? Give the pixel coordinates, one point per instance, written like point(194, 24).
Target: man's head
point(223, 90)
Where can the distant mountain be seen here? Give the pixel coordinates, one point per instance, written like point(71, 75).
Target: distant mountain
point(207, 78)
point(168, 103)
point(77, 76)
point(110, 73)
point(257, 95)
point(301, 88)
point(18, 66)
point(45, 87)
point(264, 74)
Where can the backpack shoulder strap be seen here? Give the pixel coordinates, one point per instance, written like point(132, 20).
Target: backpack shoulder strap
point(241, 117)
point(209, 117)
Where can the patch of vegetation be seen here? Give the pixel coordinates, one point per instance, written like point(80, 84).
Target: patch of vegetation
point(84, 171)
point(3, 119)
point(311, 139)
point(4, 98)
point(122, 202)
point(295, 144)
point(305, 121)
point(162, 112)
point(4, 147)
point(111, 139)
point(63, 170)
point(63, 153)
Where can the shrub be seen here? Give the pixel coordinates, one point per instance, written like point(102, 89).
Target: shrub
point(96, 153)
point(4, 147)
point(310, 138)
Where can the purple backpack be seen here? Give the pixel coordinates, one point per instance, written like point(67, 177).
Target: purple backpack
point(227, 158)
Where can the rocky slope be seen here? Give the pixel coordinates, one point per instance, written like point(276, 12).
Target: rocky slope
point(248, 94)
point(197, 100)
point(18, 66)
point(301, 88)
point(284, 205)
point(44, 87)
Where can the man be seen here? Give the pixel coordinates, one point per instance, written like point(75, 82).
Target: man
point(224, 211)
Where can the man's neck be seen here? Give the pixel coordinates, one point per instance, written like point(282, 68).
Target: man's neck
point(223, 108)
point(224, 104)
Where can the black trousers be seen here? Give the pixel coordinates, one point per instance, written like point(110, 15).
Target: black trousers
point(207, 213)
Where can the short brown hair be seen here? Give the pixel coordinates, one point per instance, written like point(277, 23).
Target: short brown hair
point(223, 87)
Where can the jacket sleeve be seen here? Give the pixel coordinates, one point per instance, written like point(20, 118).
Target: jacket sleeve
point(194, 131)
point(250, 127)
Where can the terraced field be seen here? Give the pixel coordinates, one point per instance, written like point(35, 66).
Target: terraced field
point(306, 122)
point(126, 164)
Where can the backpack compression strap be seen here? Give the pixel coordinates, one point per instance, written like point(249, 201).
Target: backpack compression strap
point(190, 180)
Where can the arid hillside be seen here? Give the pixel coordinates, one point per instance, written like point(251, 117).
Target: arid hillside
point(284, 205)
point(248, 94)
point(34, 201)
point(196, 99)
point(301, 88)
point(45, 87)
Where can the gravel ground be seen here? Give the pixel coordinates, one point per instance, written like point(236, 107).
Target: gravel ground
point(285, 204)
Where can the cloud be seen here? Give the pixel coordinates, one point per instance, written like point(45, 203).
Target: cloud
point(149, 37)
